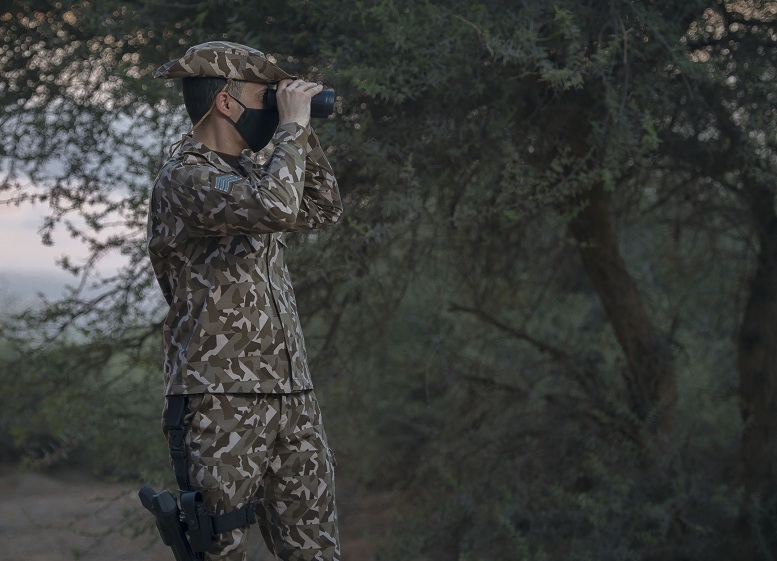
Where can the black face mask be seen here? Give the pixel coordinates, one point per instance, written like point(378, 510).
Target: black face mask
point(256, 126)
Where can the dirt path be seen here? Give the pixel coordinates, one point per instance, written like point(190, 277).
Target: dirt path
point(71, 516)
point(62, 518)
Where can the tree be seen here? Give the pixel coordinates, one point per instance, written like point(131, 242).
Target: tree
point(725, 135)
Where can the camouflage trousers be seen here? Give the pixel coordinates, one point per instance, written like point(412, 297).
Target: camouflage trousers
point(270, 449)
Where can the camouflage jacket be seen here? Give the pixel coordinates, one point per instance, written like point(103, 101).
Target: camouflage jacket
point(217, 248)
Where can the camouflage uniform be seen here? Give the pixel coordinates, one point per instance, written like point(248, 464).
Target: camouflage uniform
point(232, 336)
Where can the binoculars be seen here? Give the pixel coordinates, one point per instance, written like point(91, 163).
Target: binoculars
point(321, 105)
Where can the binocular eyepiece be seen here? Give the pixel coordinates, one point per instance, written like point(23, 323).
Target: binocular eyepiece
point(321, 105)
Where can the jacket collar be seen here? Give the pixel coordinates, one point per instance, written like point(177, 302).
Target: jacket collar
point(191, 146)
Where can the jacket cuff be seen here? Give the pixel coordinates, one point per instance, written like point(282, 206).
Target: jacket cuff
point(292, 132)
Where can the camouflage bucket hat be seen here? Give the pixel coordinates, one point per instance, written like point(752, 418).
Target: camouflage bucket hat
point(222, 59)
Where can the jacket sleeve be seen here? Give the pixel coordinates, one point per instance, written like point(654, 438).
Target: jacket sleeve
point(197, 200)
point(321, 203)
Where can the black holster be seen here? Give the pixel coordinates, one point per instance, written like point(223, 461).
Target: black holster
point(188, 529)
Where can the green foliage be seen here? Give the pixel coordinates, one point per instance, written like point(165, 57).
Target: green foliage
point(83, 402)
point(541, 461)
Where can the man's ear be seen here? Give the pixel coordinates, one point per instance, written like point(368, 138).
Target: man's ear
point(224, 104)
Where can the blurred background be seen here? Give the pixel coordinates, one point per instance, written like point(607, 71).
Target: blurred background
point(545, 329)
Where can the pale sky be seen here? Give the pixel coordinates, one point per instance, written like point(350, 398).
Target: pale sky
point(26, 265)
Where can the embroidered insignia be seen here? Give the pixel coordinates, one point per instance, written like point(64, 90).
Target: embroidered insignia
point(223, 183)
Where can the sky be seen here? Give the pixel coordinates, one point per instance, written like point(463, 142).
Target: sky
point(26, 265)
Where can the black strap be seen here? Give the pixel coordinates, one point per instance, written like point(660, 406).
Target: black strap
point(177, 406)
point(240, 518)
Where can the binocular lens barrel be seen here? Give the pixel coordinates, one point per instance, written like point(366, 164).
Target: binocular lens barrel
point(322, 105)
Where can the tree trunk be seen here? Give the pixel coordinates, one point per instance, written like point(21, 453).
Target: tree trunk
point(757, 365)
point(651, 377)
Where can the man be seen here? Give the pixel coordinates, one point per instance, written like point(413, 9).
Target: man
point(233, 342)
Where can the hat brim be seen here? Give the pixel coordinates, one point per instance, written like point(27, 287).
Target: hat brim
point(262, 71)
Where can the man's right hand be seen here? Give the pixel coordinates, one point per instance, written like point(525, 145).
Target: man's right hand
point(293, 99)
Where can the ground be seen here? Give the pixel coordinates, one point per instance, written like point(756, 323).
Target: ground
point(69, 515)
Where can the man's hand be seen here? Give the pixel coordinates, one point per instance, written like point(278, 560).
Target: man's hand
point(293, 99)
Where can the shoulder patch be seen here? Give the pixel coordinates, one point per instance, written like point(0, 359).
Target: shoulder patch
point(223, 182)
